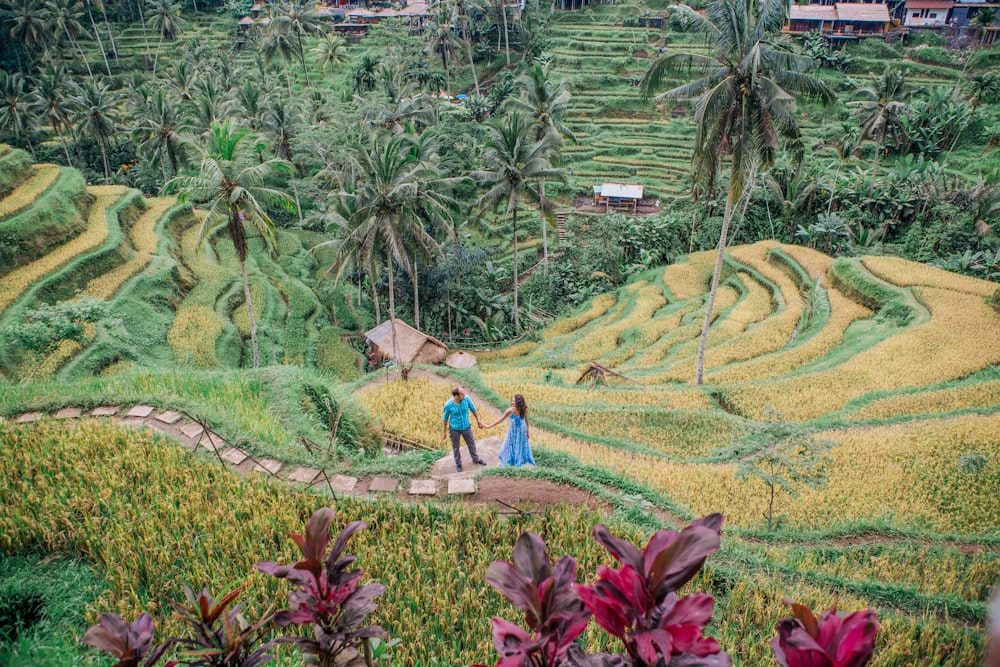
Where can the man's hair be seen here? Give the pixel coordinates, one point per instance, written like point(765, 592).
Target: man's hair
point(456, 391)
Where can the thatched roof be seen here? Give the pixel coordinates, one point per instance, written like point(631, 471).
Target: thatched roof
point(812, 13)
point(461, 359)
point(414, 346)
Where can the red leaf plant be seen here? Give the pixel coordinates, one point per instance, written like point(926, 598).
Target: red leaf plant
point(544, 592)
point(220, 636)
point(130, 643)
point(329, 596)
point(833, 640)
point(637, 603)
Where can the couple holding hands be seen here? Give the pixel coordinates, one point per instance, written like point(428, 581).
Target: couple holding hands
point(516, 450)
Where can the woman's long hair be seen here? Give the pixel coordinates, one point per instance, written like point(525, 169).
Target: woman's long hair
point(520, 407)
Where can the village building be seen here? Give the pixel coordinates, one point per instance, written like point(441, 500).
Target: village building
point(618, 196)
point(927, 13)
point(841, 20)
point(414, 346)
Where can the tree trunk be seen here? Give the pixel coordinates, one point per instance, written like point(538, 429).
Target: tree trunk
point(83, 56)
point(416, 294)
point(472, 63)
point(145, 35)
point(545, 231)
point(62, 140)
point(156, 58)
point(111, 34)
point(378, 306)
point(100, 44)
point(302, 56)
point(392, 319)
point(878, 151)
point(107, 165)
point(506, 38)
point(253, 322)
point(723, 237)
point(517, 321)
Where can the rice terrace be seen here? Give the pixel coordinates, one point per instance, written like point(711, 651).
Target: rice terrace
point(588, 333)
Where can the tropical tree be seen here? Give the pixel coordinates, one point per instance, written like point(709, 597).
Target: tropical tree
point(279, 40)
point(743, 97)
point(392, 193)
point(96, 115)
point(546, 104)
point(19, 106)
point(984, 18)
point(365, 75)
point(514, 159)
point(88, 5)
point(464, 11)
point(882, 107)
point(156, 131)
point(295, 18)
point(26, 25)
point(165, 20)
point(54, 95)
point(233, 178)
point(63, 18)
point(443, 42)
point(332, 50)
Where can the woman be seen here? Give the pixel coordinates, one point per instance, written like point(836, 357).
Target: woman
point(516, 450)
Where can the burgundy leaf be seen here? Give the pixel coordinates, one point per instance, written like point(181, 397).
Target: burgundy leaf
point(650, 645)
point(530, 559)
point(855, 643)
point(623, 551)
point(317, 534)
point(341, 542)
point(695, 609)
point(608, 614)
point(678, 563)
point(793, 647)
point(518, 589)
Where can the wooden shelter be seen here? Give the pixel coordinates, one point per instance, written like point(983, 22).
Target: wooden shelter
point(620, 196)
point(415, 347)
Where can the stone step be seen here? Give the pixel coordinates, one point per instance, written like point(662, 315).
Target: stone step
point(343, 483)
point(104, 411)
point(234, 456)
point(68, 413)
point(28, 417)
point(268, 466)
point(461, 486)
point(383, 485)
point(423, 487)
point(168, 417)
point(141, 411)
point(304, 475)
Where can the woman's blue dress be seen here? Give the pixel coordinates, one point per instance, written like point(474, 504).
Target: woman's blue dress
point(516, 451)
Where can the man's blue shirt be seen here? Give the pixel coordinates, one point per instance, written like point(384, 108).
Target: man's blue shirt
point(457, 414)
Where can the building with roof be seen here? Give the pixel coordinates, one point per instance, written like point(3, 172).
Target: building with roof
point(414, 346)
point(619, 196)
point(927, 13)
point(841, 20)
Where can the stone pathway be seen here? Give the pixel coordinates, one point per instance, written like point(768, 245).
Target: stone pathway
point(192, 435)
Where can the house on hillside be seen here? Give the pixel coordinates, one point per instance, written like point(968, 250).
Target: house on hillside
point(414, 346)
point(618, 196)
point(840, 20)
point(927, 13)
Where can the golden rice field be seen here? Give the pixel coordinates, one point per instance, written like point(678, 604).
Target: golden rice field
point(140, 510)
point(14, 283)
point(27, 192)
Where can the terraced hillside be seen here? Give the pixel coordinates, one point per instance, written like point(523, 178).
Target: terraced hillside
point(172, 301)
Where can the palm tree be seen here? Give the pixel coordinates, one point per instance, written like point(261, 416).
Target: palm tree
point(26, 25)
point(97, 36)
point(156, 132)
point(63, 17)
point(332, 50)
point(96, 114)
point(464, 9)
point(364, 76)
point(281, 120)
point(985, 17)
point(743, 102)
point(280, 41)
point(233, 178)
point(54, 95)
point(545, 103)
point(166, 22)
point(19, 106)
point(297, 19)
point(882, 108)
point(443, 42)
point(514, 160)
point(392, 191)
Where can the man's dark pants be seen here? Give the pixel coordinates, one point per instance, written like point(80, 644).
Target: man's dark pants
point(470, 441)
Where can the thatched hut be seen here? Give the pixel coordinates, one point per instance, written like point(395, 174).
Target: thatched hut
point(415, 347)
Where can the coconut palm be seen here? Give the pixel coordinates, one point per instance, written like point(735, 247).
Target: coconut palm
point(88, 5)
point(54, 94)
point(26, 25)
point(156, 132)
point(392, 192)
point(165, 20)
point(882, 107)
point(365, 75)
point(744, 99)
point(96, 114)
point(513, 160)
point(63, 18)
point(546, 103)
point(465, 9)
point(297, 19)
point(233, 179)
point(443, 42)
point(279, 41)
point(332, 50)
point(19, 106)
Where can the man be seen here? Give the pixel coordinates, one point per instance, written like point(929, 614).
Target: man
point(455, 422)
